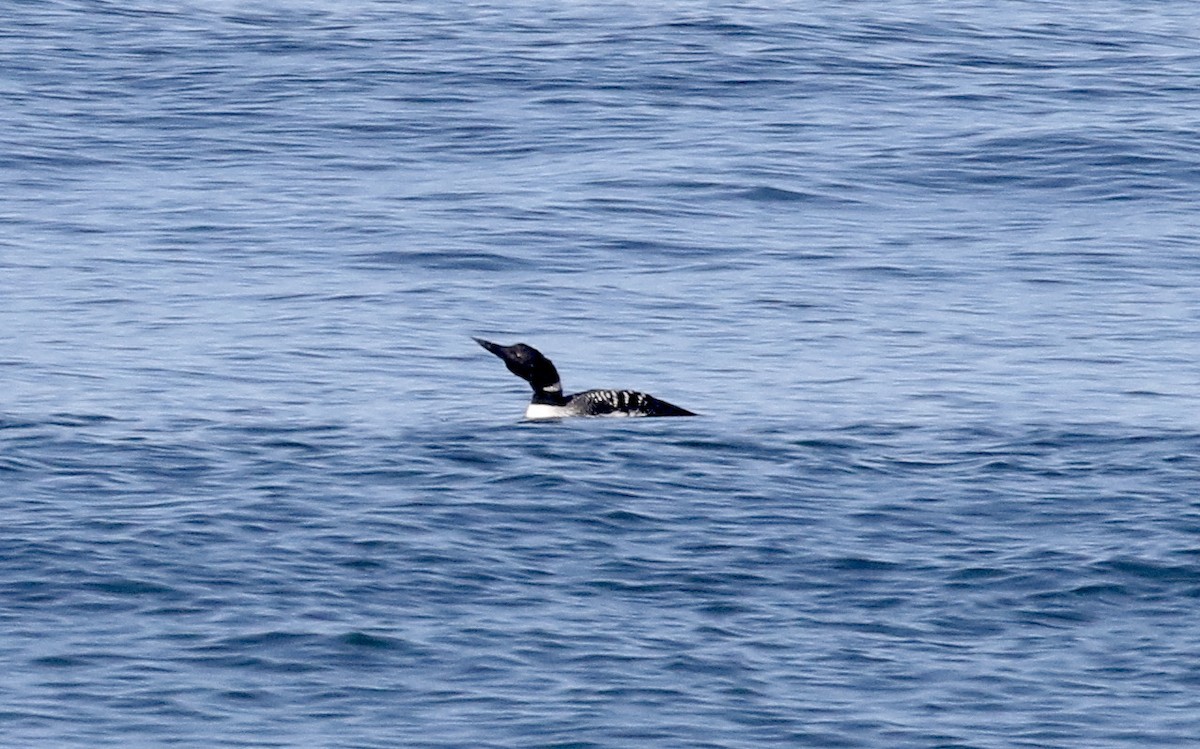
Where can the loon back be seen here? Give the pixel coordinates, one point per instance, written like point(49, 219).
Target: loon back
point(623, 403)
point(549, 402)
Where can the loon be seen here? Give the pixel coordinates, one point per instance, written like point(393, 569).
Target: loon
point(549, 402)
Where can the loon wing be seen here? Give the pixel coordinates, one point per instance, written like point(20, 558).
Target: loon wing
point(623, 402)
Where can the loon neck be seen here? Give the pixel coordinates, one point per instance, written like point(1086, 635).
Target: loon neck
point(551, 395)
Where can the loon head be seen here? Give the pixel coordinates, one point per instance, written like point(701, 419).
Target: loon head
point(529, 364)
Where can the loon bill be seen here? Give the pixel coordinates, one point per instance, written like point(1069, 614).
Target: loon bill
point(549, 402)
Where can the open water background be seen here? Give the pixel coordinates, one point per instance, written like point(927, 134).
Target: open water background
point(931, 272)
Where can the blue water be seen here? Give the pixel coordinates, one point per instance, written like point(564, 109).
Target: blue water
point(929, 271)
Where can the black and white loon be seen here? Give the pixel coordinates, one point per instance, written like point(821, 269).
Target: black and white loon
point(549, 402)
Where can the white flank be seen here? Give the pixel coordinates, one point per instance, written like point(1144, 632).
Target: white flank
point(545, 411)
